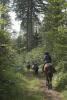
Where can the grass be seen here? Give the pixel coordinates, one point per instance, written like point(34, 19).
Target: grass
point(22, 86)
point(64, 95)
point(34, 96)
point(61, 87)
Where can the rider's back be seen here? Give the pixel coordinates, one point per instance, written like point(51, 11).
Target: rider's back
point(36, 65)
point(47, 59)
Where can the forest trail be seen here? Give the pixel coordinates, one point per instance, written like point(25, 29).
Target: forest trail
point(49, 94)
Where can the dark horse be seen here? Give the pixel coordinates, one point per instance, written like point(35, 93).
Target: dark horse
point(28, 66)
point(35, 68)
point(49, 70)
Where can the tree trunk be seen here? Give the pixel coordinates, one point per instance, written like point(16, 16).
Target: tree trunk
point(29, 25)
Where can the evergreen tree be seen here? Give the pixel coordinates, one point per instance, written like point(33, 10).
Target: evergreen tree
point(27, 11)
point(54, 27)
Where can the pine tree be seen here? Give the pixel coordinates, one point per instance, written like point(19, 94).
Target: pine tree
point(27, 11)
point(54, 27)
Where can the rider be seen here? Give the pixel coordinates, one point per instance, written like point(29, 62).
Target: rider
point(36, 67)
point(47, 58)
point(33, 65)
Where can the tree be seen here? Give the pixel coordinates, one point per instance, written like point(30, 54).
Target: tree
point(4, 16)
point(27, 11)
point(54, 27)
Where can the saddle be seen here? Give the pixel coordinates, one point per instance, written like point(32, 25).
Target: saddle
point(48, 67)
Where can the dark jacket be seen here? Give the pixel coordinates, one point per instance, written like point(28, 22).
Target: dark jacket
point(47, 59)
point(36, 65)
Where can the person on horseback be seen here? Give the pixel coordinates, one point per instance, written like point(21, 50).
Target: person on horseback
point(47, 58)
point(36, 67)
point(48, 69)
point(33, 65)
point(48, 61)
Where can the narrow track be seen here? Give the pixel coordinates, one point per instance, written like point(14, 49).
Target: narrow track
point(49, 94)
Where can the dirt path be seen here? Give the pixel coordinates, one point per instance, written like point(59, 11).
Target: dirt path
point(49, 94)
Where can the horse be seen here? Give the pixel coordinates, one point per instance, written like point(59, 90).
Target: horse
point(35, 68)
point(28, 66)
point(49, 70)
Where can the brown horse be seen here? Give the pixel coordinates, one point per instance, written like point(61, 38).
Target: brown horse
point(49, 69)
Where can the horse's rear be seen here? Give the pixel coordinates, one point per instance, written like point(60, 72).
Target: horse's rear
point(28, 67)
point(48, 69)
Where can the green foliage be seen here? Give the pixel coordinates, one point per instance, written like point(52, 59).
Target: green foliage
point(37, 54)
point(27, 11)
point(20, 86)
point(54, 37)
point(60, 79)
point(6, 52)
point(64, 95)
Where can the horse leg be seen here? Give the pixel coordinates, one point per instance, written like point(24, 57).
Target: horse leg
point(50, 81)
point(47, 80)
point(35, 72)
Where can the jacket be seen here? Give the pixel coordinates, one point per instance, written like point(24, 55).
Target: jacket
point(47, 59)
